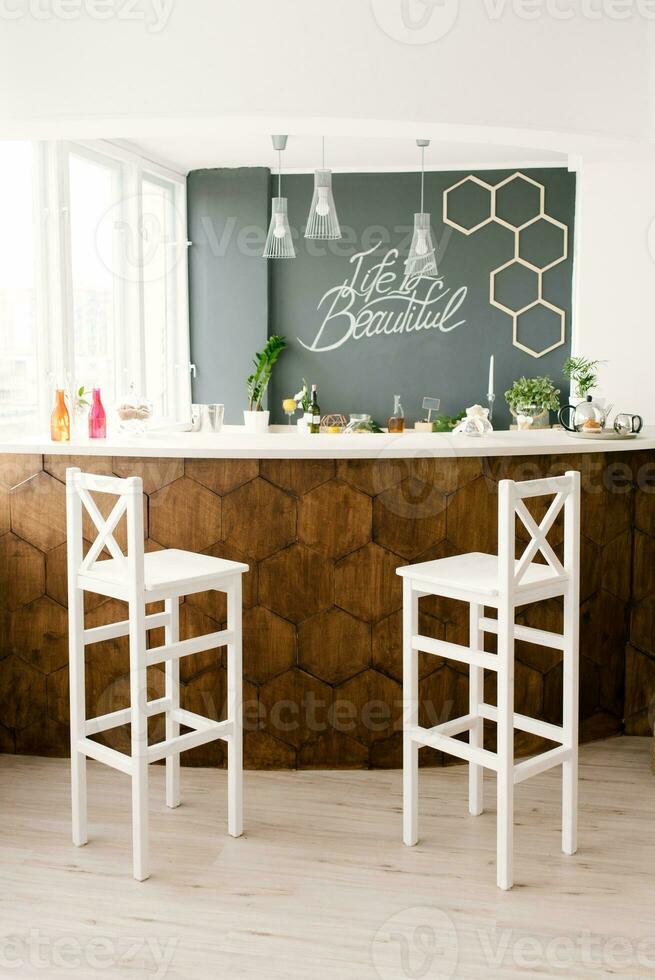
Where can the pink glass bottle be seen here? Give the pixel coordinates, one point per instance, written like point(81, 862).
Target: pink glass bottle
point(97, 417)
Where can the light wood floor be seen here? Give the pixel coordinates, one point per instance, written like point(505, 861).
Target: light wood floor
point(320, 886)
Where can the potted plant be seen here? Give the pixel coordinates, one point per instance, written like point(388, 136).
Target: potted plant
point(302, 402)
point(532, 399)
point(255, 418)
point(582, 373)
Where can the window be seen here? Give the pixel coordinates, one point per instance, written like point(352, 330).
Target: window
point(95, 190)
point(93, 284)
point(19, 363)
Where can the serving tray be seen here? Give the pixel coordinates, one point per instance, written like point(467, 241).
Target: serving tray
point(602, 435)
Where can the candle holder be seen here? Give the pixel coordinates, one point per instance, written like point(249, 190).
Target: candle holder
point(491, 398)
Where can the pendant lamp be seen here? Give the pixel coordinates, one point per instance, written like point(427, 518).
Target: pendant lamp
point(322, 220)
point(279, 243)
point(421, 260)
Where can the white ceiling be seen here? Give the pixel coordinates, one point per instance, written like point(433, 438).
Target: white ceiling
point(199, 148)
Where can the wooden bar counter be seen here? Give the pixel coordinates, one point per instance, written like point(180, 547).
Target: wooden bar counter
point(324, 522)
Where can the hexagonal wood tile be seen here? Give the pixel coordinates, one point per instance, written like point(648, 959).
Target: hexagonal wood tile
point(15, 468)
point(644, 566)
point(194, 623)
point(269, 645)
point(5, 519)
point(39, 634)
point(333, 750)
point(259, 518)
point(262, 751)
point(296, 707)
point(22, 572)
point(443, 695)
point(221, 475)
point(296, 583)
point(156, 472)
point(642, 625)
point(387, 654)
point(38, 511)
point(334, 518)
point(297, 475)
point(472, 517)
point(372, 476)
point(409, 518)
point(605, 515)
point(22, 693)
point(366, 583)
point(446, 474)
point(57, 465)
point(185, 515)
point(640, 691)
point(334, 646)
point(368, 707)
point(645, 511)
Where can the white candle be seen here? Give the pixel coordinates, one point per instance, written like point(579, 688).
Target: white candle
point(490, 389)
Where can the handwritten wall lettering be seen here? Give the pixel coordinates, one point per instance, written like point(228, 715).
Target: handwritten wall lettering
point(378, 301)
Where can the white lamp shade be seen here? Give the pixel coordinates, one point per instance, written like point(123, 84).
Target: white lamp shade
point(279, 243)
point(421, 260)
point(322, 220)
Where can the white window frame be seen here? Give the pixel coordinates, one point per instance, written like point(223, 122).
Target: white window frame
point(53, 274)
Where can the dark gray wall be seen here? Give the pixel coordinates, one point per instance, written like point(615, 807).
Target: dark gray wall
point(363, 375)
point(228, 281)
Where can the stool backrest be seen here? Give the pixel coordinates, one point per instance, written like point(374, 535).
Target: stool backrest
point(129, 503)
point(565, 491)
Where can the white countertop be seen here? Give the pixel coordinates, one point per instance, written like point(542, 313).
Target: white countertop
point(281, 443)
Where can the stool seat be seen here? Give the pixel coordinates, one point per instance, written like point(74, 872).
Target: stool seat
point(163, 572)
point(477, 573)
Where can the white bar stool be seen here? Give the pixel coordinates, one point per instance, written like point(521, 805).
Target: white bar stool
point(139, 578)
point(504, 583)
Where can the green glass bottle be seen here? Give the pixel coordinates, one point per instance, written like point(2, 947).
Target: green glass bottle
point(315, 423)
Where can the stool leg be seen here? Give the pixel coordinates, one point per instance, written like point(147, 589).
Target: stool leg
point(410, 715)
point(235, 712)
point(77, 714)
point(139, 727)
point(476, 698)
point(505, 750)
point(570, 725)
point(172, 635)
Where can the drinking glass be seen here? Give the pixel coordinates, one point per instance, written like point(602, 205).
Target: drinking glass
point(289, 407)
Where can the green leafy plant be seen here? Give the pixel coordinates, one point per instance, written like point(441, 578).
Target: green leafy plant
point(302, 397)
point(540, 392)
point(80, 399)
point(446, 423)
point(583, 373)
point(257, 382)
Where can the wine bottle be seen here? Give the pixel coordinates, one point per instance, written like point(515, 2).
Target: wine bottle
point(315, 424)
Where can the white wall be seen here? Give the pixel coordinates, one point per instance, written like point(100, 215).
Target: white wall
point(616, 278)
point(502, 63)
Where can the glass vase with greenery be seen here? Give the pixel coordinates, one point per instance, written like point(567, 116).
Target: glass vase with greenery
point(582, 373)
point(264, 360)
point(533, 397)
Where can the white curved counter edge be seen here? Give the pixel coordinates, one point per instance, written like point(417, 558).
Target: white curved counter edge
point(233, 442)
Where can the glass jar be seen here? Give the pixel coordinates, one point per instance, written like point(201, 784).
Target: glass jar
point(134, 412)
point(358, 423)
point(396, 422)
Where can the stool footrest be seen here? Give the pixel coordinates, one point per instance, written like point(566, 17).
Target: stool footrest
point(210, 731)
point(184, 648)
point(542, 762)
point(111, 631)
point(102, 753)
point(453, 651)
point(528, 634)
point(102, 723)
point(554, 733)
point(436, 739)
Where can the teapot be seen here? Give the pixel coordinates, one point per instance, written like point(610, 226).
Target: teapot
point(587, 416)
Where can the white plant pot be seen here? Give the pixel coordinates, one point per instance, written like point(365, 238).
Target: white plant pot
point(303, 425)
point(256, 421)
